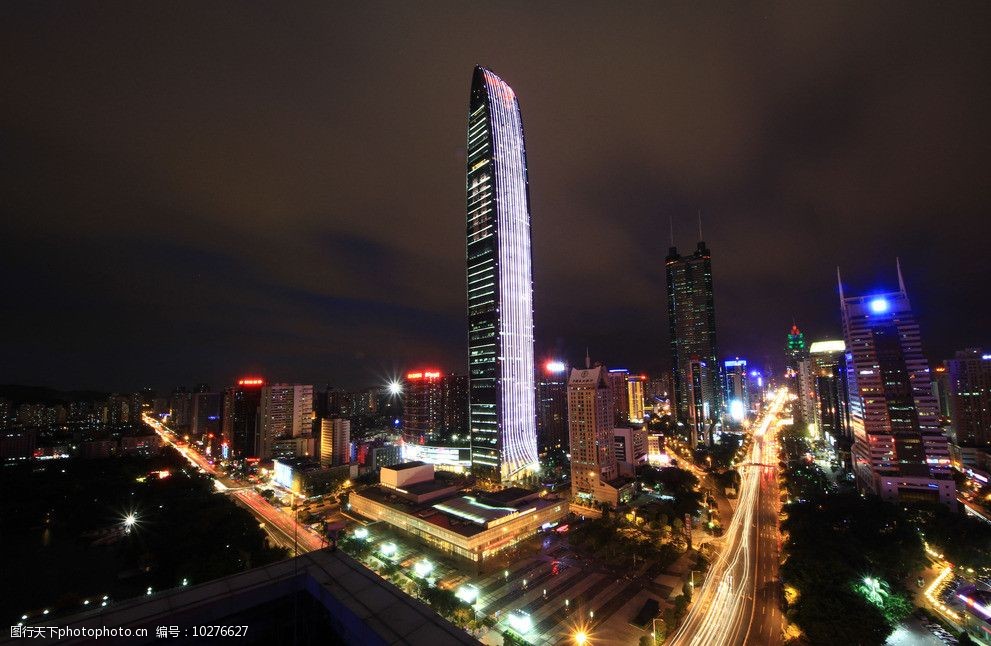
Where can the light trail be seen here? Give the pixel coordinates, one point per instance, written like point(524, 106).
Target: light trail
point(299, 538)
point(723, 611)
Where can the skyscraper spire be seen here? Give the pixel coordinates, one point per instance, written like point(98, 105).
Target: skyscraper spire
point(839, 283)
point(901, 280)
point(588, 359)
point(671, 223)
point(700, 225)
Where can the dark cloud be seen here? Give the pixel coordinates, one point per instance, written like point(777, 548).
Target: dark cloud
point(193, 190)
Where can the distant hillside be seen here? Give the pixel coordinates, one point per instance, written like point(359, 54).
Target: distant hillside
point(18, 394)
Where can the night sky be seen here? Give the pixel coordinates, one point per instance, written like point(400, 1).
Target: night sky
point(193, 190)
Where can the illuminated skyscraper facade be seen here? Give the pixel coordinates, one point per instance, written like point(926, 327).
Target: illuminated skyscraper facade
point(500, 286)
point(736, 389)
point(692, 331)
point(423, 406)
point(899, 449)
point(969, 397)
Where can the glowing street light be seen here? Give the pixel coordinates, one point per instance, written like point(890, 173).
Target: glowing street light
point(581, 637)
point(130, 521)
point(395, 387)
point(467, 593)
point(361, 532)
point(520, 621)
point(388, 549)
point(423, 568)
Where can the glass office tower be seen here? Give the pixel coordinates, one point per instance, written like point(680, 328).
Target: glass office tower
point(692, 333)
point(500, 286)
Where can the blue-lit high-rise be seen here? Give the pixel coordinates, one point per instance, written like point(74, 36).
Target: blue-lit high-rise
point(899, 450)
point(500, 286)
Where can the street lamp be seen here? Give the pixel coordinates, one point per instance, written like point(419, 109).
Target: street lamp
point(395, 388)
point(581, 637)
point(130, 521)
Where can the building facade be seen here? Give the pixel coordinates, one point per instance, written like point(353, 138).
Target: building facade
point(968, 395)
point(500, 286)
point(552, 413)
point(335, 442)
point(455, 406)
point(832, 406)
point(423, 405)
point(899, 449)
point(285, 411)
point(692, 333)
point(245, 399)
point(590, 428)
point(736, 389)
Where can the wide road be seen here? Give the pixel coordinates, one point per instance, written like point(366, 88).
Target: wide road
point(285, 530)
point(738, 601)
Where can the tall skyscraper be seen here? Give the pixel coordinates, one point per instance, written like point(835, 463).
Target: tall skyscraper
point(795, 349)
point(635, 397)
point(205, 417)
point(617, 378)
point(899, 449)
point(736, 390)
point(180, 409)
point(423, 405)
point(245, 400)
point(552, 408)
point(692, 331)
point(968, 379)
point(500, 285)
point(455, 406)
point(590, 427)
point(799, 374)
point(832, 407)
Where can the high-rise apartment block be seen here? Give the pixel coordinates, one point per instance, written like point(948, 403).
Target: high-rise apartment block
point(335, 442)
point(899, 449)
point(285, 412)
point(500, 286)
point(590, 425)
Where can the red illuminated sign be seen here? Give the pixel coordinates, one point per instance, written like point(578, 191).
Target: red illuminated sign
point(427, 374)
point(250, 381)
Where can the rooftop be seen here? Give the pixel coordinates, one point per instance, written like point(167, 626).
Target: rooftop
point(357, 606)
point(405, 465)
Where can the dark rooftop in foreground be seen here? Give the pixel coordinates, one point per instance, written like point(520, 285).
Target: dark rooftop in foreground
point(336, 600)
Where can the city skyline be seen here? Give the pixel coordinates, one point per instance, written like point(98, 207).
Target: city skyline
point(262, 240)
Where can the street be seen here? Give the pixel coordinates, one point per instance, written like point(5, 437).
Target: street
point(284, 530)
point(738, 603)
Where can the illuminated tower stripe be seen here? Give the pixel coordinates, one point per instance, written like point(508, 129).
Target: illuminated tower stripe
point(503, 409)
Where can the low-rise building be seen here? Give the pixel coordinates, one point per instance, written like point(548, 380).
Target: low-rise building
point(446, 515)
